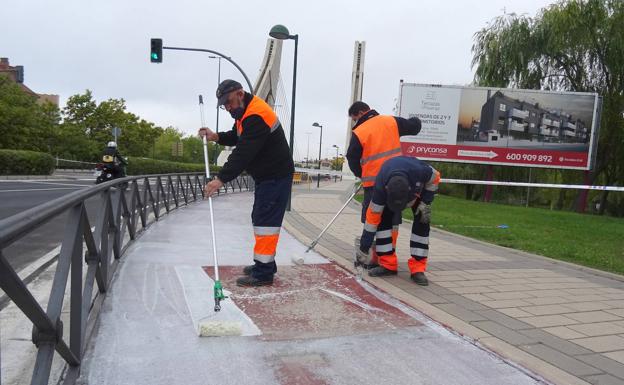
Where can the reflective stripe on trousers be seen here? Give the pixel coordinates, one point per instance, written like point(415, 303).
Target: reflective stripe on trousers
point(266, 243)
point(419, 247)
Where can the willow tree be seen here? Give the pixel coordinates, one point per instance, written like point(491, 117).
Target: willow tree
point(568, 46)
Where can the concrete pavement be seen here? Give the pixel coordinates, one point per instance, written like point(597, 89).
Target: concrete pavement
point(561, 321)
point(317, 323)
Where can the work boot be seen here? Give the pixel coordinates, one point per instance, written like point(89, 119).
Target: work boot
point(381, 271)
point(247, 269)
point(420, 279)
point(251, 281)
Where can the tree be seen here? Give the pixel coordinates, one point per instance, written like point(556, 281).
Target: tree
point(574, 45)
point(25, 124)
point(88, 126)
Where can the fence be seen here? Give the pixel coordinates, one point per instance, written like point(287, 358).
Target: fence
point(124, 206)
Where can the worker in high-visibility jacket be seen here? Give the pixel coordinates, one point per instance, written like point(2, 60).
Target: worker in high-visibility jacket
point(401, 182)
point(261, 150)
point(375, 139)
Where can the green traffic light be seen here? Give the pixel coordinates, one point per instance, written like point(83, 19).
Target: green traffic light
point(154, 56)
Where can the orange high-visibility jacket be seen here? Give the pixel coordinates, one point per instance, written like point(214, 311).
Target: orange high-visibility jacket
point(379, 137)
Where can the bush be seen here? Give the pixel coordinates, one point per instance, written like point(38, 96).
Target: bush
point(18, 162)
point(145, 166)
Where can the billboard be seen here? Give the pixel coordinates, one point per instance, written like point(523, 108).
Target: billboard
point(501, 126)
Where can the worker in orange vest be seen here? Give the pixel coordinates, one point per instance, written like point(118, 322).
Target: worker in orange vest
point(262, 151)
point(401, 182)
point(375, 139)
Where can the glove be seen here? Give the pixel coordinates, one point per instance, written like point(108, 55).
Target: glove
point(366, 241)
point(425, 212)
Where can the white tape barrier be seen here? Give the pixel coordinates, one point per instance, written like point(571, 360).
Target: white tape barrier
point(524, 184)
point(317, 171)
point(485, 182)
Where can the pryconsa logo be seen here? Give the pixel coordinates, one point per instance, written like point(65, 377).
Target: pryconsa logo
point(428, 150)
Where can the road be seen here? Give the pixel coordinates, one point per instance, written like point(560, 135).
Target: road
point(20, 195)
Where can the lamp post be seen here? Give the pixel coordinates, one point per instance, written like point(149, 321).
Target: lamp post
point(280, 32)
point(218, 109)
point(308, 152)
point(337, 148)
point(318, 181)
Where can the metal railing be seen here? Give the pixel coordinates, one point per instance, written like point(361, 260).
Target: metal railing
point(124, 205)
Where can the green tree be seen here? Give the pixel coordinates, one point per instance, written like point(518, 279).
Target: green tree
point(573, 45)
point(90, 126)
point(24, 123)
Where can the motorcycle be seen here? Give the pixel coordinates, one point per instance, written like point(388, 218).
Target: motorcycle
point(104, 172)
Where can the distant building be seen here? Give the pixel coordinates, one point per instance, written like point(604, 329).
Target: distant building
point(16, 74)
point(503, 116)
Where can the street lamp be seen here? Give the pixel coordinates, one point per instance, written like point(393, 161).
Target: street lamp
point(280, 32)
point(318, 181)
point(218, 109)
point(335, 176)
point(308, 152)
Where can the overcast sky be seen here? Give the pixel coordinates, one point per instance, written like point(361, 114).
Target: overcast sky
point(69, 46)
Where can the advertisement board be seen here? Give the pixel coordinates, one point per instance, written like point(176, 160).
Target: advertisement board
point(501, 126)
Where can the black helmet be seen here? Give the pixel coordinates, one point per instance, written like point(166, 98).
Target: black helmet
point(227, 86)
point(398, 193)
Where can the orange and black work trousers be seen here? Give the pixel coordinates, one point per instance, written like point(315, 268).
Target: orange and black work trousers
point(386, 238)
point(270, 200)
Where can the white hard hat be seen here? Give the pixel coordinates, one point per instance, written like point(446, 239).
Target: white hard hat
point(111, 144)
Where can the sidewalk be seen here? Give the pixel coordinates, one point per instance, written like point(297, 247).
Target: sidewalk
point(316, 325)
point(561, 321)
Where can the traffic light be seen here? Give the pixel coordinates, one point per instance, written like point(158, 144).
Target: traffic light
point(156, 51)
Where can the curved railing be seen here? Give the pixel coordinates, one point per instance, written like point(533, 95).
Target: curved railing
point(126, 208)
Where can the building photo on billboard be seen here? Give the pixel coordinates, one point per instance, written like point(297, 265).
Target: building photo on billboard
point(501, 126)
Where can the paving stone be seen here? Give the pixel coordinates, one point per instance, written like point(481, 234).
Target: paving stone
point(546, 301)
point(560, 344)
point(546, 309)
point(472, 290)
point(586, 298)
point(415, 290)
point(598, 329)
point(506, 303)
point(561, 360)
point(465, 302)
point(617, 356)
point(498, 317)
point(504, 333)
point(477, 297)
point(603, 379)
point(593, 316)
point(601, 344)
point(618, 312)
point(545, 293)
point(515, 312)
point(606, 364)
point(461, 312)
point(509, 287)
point(549, 320)
point(509, 295)
point(564, 332)
point(590, 306)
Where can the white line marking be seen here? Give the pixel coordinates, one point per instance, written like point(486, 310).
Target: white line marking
point(43, 189)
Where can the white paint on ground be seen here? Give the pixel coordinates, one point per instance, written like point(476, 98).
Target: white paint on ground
point(198, 290)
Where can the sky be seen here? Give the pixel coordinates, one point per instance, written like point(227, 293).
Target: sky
point(70, 46)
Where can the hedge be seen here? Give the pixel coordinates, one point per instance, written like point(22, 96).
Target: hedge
point(19, 162)
point(145, 166)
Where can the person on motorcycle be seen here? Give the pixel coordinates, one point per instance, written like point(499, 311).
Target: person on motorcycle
point(113, 158)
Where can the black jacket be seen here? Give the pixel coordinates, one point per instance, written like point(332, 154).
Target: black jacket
point(262, 153)
point(117, 158)
point(354, 152)
point(419, 174)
